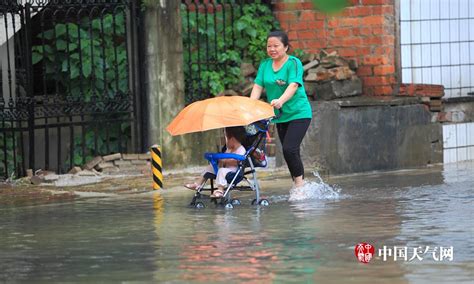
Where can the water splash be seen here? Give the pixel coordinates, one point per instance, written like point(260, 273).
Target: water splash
point(314, 190)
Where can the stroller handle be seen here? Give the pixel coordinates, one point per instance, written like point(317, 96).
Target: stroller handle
point(280, 113)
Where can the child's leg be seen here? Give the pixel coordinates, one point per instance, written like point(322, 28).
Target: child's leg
point(201, 179)
point(220, 177)
point(221, 182)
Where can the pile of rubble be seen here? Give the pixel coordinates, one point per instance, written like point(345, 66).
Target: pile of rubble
point(94, 170)
point(327, 76)
point(330, 76)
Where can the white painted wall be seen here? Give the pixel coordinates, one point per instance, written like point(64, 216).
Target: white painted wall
point(441, 38)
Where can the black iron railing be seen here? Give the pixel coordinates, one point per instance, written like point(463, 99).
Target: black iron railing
point(216, 36)
point(69, 92)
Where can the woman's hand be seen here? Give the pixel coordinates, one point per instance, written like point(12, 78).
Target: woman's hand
point(276, 103)
point(287, 95)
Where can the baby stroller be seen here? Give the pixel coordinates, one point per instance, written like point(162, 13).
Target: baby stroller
point(246, 170)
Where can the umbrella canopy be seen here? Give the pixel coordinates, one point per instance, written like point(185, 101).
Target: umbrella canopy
point(219, 112)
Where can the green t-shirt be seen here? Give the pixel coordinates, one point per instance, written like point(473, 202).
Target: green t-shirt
point(275, 83)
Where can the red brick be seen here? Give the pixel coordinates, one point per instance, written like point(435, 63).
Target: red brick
point(286, 16)
point(297, 45)
point(293, 35)
point(377, 2)
point(306, 34)
point(334, 23)
point(343, 32)
point(315, 24)
point(422, 90)
point(308, 5)
point(372, 20)
point(363, 31)
point(389, 40)
point(383, 90)
point(373, 40)
point(307, 15)
point(298, 26)
point(347, 52)
point(376, 60)
point(350, 22)
point(378, 31)
point(361, 11)
point(364, 71)
point(285, 26)
point(347, 12)
point(285, 6)
point(364, 51)
point(388, 10)
point(378, 80)
point(314, 44)
point(384, 70)
point(336, 42)
point(382, 10)
point(352, 41)
point(321, 33)
point(383, 50)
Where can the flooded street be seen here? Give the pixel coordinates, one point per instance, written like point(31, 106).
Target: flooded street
point(155, 237)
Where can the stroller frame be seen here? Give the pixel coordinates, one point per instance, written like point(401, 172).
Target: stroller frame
point(233, 178)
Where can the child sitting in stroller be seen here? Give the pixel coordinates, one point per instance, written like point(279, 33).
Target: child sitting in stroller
point(234, 137)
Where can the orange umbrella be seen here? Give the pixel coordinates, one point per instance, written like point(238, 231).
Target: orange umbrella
point(219, 112)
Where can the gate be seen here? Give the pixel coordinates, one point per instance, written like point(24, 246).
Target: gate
point(69, 85)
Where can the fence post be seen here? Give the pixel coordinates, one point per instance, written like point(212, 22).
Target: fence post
point(29, 85)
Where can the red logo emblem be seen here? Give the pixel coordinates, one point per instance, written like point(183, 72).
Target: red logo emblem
point(364, 252)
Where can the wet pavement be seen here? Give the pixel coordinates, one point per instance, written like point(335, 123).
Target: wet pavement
point(121, 231)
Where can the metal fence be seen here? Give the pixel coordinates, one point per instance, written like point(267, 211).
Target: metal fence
point(437, 44)
point(214, 42)
point(69, 89)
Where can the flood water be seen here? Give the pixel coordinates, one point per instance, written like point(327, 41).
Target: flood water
point(154, 237)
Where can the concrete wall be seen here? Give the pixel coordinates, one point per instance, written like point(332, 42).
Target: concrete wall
point(347, 138)
point(165, 87)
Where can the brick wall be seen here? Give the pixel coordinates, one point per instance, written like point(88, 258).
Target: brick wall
point(364, 31)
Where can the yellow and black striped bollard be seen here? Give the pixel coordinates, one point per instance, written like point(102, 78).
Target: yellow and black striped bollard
point(156, 167)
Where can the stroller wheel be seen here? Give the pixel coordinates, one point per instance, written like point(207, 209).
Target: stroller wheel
point(235, 202)
point(264, 202)
point(229, 206)
point(254, 201)
point(199, 205)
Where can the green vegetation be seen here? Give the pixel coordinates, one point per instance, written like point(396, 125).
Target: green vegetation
point(87, 61)
point(225, 43)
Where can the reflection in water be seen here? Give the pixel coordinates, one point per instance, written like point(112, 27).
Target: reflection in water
point(220, 257)
point(154, 237)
